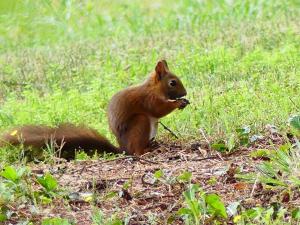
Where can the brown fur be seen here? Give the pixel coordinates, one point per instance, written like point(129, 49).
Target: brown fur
point(66, 137)
point(129, 113)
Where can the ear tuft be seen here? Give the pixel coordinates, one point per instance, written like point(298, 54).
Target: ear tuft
point(161, 68)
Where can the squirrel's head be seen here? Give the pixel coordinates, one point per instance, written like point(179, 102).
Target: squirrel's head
point(168, 83)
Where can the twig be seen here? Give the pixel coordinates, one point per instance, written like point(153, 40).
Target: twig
point(166, 128)
point(296, 107)
point(253, 188)
point(206, 158)
point(145, 182)
point(83, 168)
point(207, 141)
point(194, 160)
point(219, 155)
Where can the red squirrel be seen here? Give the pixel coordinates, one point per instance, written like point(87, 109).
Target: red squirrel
point(133, 115)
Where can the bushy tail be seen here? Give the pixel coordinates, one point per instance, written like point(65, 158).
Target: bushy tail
point(66, 137)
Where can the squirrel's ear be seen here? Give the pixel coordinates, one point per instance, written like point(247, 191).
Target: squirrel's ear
point(161, 68)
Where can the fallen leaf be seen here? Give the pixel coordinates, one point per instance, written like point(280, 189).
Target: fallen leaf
point(240, 186)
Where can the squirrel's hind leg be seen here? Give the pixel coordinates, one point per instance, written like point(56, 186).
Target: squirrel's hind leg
point(136, 138)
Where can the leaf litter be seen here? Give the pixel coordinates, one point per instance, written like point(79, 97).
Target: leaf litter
point(138, 188)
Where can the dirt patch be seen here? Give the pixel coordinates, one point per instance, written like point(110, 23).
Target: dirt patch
point(127, 187)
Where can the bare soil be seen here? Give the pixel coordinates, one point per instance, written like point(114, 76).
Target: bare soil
point(107, 180)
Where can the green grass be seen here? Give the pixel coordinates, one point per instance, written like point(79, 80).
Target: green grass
point(61, 61)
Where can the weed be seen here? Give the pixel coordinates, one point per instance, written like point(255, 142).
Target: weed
point(98, 218)
point(16, 187)
point(281, 170)
point(265, 216)
point(55, 221)
point(199, 205)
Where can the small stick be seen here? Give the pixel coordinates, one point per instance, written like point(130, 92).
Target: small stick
point(219, 155)
point(207, 141)
point(166, 128)
point(253, 188)
point(205, 158)
point(296, 107)
point(199, 159)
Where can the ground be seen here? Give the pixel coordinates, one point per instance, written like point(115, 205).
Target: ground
point(126, 187)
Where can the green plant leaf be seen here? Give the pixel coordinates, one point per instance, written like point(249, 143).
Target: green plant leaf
point(272, 181)
point(267, 169)
point(249, 177)
point(190, 194)
point(127, 184)
point(3, 217)
point(3, 213)
point(212, 181)
point(220, 147)
point(81, 156)
point(285, 148)
point(295, 122)
point(185, 176)
point(116, 222)
point(171, 219)
point(10, 173)
point(296, 213)
point(215, 205)
point(252, 213)
point(259, 153)
point(158, 174)
point(295, 180)
point(184, 211)
point(48, 182)
point(111, 194)
point(193, 204)
point(243, 135)
point(45, 200)
point(55, 221)
point(231, 142)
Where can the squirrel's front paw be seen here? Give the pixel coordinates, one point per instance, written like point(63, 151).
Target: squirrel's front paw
point(183, 103)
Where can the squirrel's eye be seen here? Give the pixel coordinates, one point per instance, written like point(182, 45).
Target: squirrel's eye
point(173, 83)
